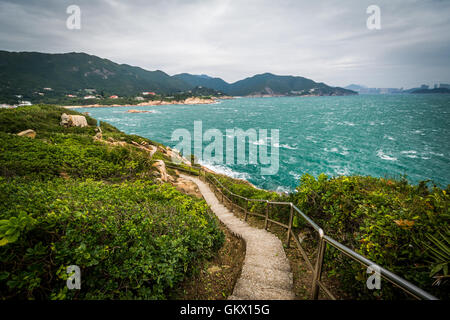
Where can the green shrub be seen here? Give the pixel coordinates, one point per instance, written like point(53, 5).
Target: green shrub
point(385, 220)
point(133, 240)
point(74, 155)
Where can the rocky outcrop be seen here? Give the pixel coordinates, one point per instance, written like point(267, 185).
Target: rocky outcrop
point(187, 186)
point(69, 120)
point(195, 100)
point(28, 133)
point(161, 167)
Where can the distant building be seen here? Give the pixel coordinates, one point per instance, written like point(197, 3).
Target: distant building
point(40, 93)
point(91, 91)
point(424, 86)
point(140, 98)
point(24, 103)
point(146, 93)
point(444, 85)
point(90, 97)
point(71, 96)
point(114, 97)
point(48, 89)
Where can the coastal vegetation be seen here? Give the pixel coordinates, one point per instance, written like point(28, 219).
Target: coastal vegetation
point(399, 226)
point(68, 199)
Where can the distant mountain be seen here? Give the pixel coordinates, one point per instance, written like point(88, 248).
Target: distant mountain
point(355, 87)
point(434, 90)
point(31, 74)
point(365, 90)
point(265, 84)
point(203, 81)
point(26, 72)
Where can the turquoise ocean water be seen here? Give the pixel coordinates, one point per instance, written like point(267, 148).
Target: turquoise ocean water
point(377, 135)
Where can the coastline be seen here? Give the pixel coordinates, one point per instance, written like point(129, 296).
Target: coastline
point(189, 101)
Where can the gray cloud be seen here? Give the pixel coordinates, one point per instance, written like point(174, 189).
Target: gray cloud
point(324, 40)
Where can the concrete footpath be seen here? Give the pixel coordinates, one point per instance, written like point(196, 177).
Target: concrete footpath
point(266, 273)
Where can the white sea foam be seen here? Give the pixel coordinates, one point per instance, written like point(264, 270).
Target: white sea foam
point(410, 153)
point(341, 171)
point(389, 137)
point(260, 142)
point(285, 146)
point(331, 150)
point(221, 169)
point(384, 156)
point(296, 175)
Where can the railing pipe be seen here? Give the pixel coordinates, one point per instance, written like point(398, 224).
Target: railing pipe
point(267, 215)
point(318, 269)
point(291, 214)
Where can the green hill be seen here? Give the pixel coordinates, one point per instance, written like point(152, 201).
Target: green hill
point(28, 72)
point(265, 84)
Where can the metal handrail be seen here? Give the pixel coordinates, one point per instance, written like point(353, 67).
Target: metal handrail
point(317, 284)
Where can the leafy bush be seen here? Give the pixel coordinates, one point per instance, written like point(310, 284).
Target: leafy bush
point(385, 220)
point(71, 154)
point(131, 240)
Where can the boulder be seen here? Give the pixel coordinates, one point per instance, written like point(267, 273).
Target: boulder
point(28, 133)
point(69, 120)
point(161, 167)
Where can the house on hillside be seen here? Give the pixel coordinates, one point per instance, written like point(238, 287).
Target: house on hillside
point(148, 93)
point(140, 98)
point(89, 97)
point(114, 97)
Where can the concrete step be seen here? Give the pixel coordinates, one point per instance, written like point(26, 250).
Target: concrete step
point(252, 290)
point(269, 277)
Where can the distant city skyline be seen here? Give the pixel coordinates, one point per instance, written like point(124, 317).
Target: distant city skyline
point(327, 41)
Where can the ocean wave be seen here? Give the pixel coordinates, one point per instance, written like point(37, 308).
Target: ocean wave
point(409, 153)
point(384, 156)
point(260, 142)
point(295, 175)
point(331, 150)
point(285, 146)
point(346, 123)
point(222, 169)
point(341, 171)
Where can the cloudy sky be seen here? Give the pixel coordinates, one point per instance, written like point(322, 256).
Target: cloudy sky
point(326, 41)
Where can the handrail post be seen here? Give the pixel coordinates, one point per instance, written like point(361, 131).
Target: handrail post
point(288, 238)
point(267, 215)
point(318, 269)
point(231, 202)
point(246, 209)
